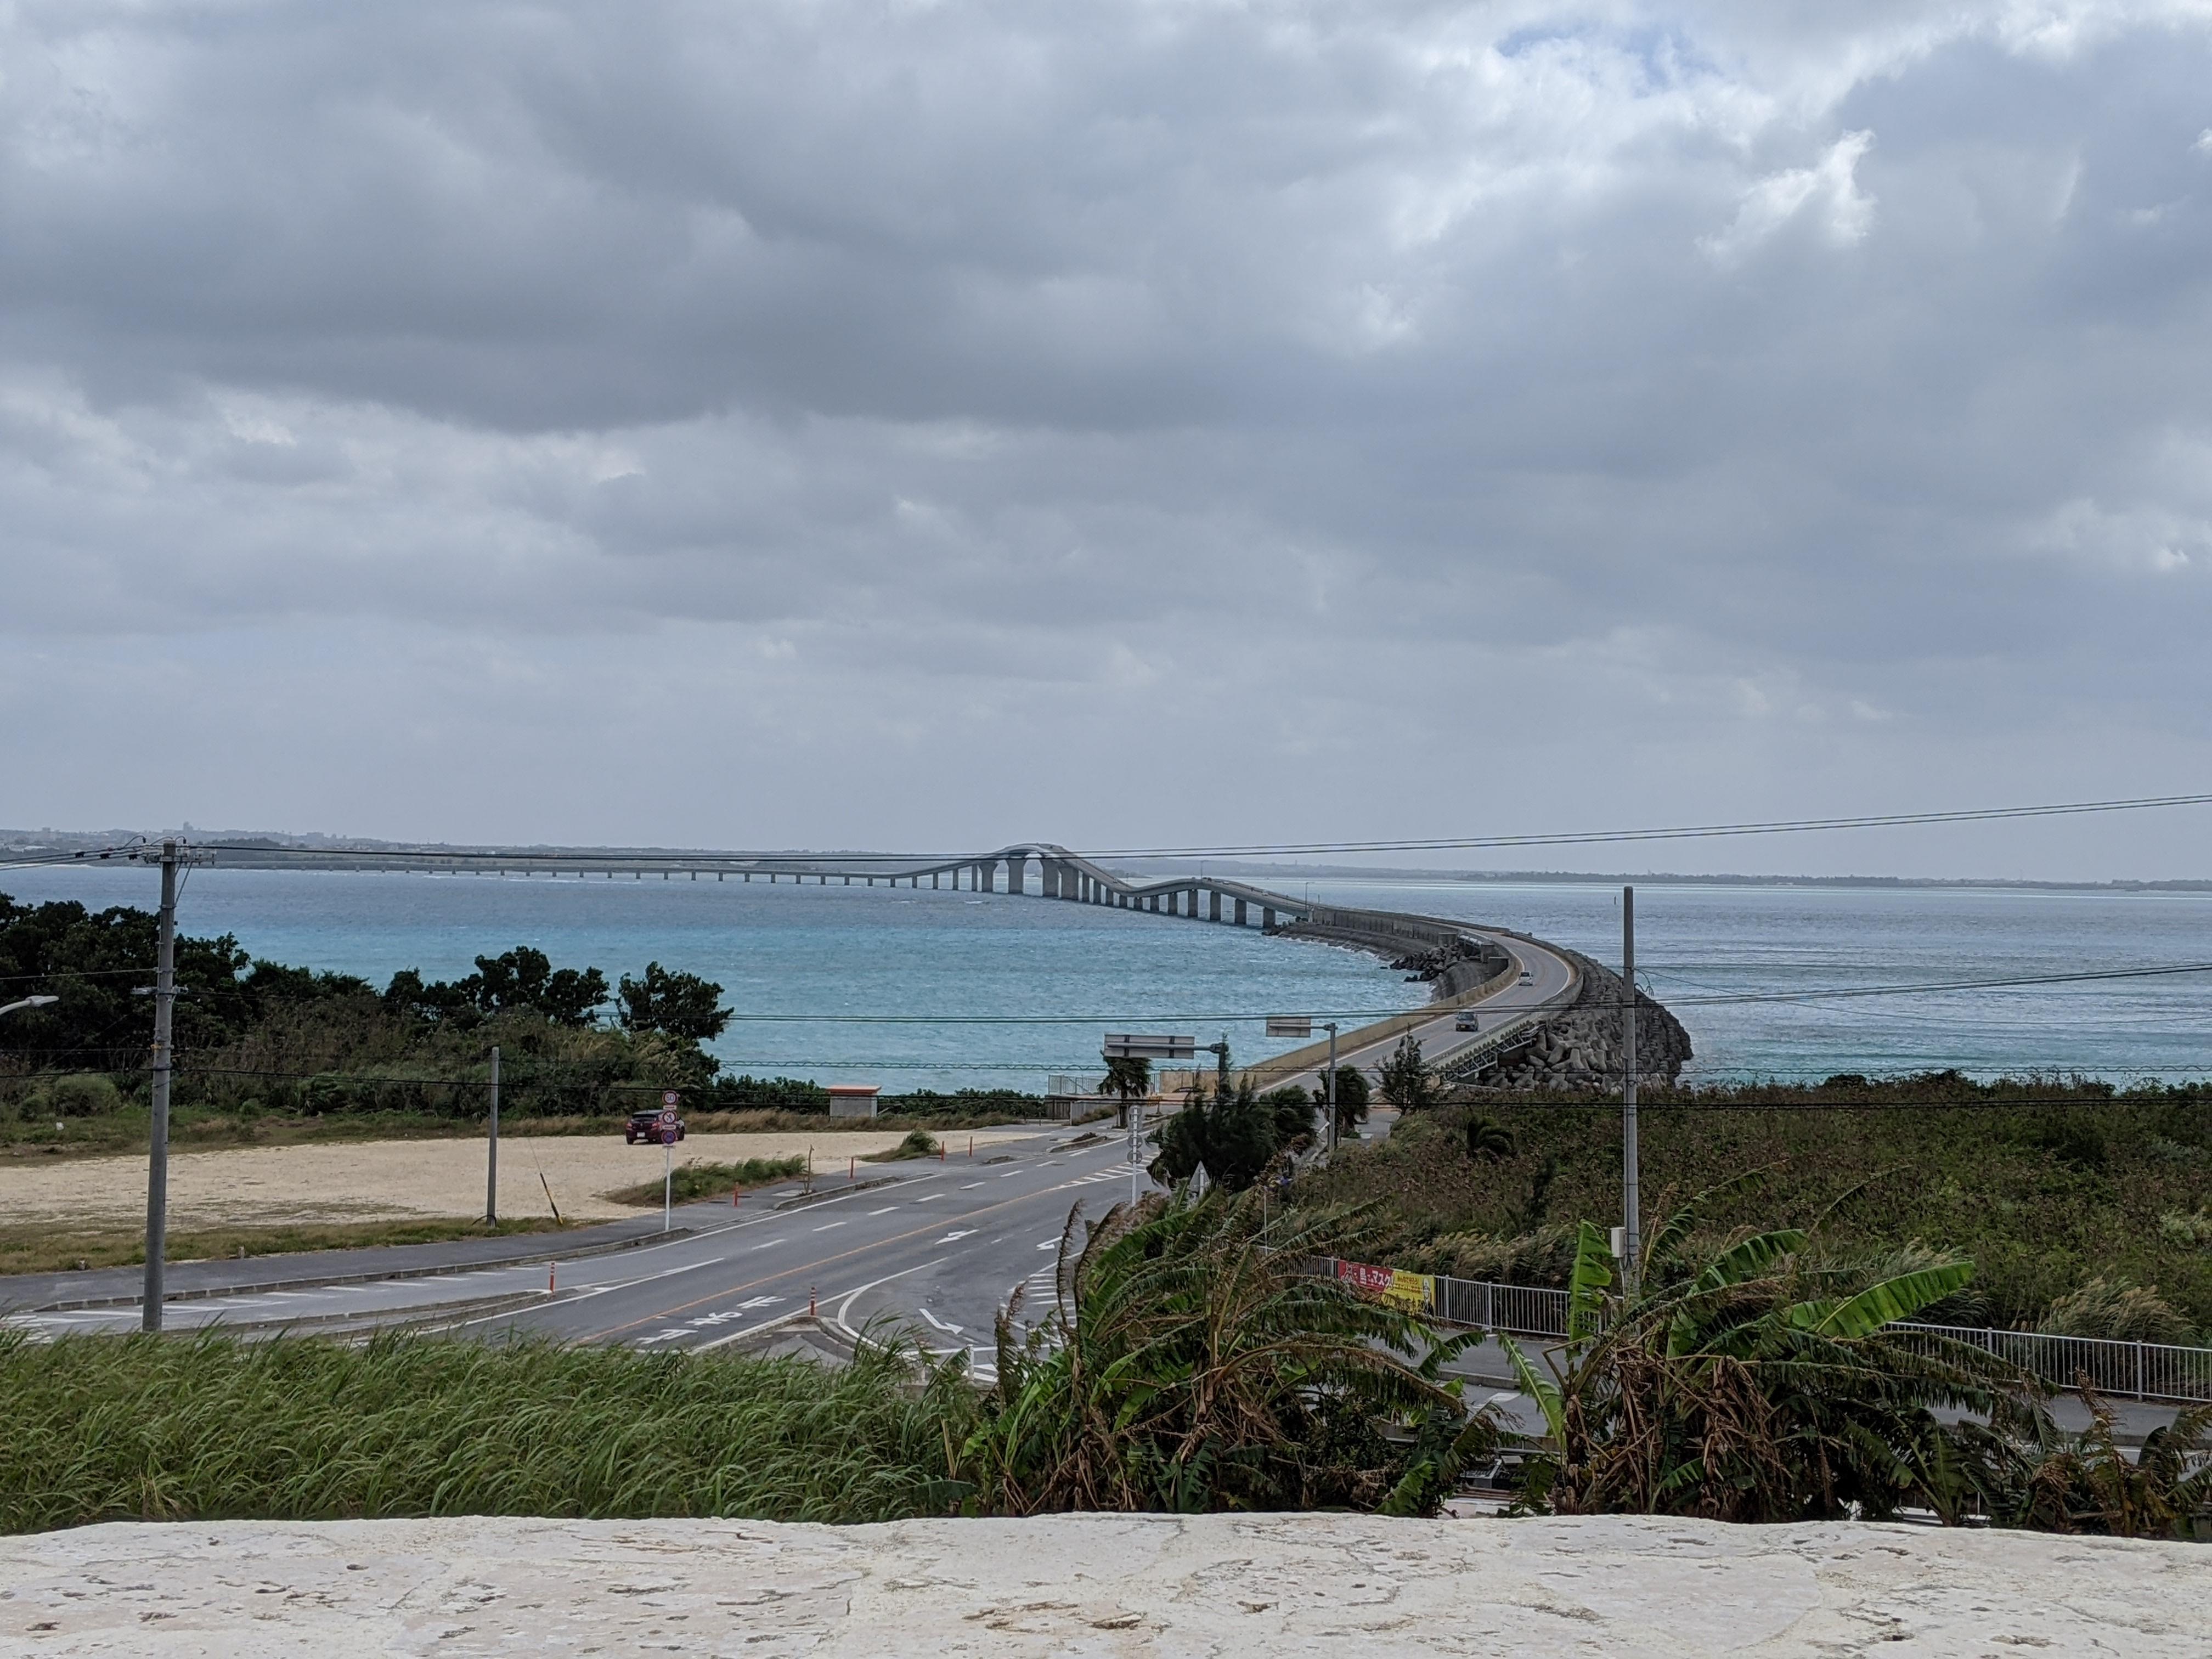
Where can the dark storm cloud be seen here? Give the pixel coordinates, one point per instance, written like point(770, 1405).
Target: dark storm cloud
point(1768, 405)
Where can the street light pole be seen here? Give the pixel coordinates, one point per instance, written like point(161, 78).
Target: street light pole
point(491, 1160)
point(157, 1157)
point(1331, 1029)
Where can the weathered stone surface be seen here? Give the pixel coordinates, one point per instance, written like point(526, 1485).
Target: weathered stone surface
point(1106, 1585)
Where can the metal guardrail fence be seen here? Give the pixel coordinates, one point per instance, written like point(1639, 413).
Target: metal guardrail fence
point(2128, 1370)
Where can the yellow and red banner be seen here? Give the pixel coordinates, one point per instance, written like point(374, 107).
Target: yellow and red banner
point(1407, 1292)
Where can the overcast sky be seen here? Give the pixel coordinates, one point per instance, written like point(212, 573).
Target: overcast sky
point(927, 425)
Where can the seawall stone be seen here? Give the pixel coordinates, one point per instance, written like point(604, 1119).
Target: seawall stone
point(1266, 1586)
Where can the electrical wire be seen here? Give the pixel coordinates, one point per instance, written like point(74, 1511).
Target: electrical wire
point(788, 862)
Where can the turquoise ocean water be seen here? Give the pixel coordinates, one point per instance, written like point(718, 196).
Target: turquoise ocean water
point(923, 958)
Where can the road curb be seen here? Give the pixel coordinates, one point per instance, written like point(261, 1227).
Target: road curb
point(607, 1247)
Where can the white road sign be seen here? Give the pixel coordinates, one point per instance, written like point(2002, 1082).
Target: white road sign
point(1138, 1045)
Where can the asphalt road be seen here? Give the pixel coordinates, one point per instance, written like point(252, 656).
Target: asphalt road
point(1550, 978)
point(938, 1245)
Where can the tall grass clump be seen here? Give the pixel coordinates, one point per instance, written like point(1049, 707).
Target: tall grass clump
point(1190, 1363)
point(298, 1429)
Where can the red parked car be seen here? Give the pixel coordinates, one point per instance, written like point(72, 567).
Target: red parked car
point(645, 1126)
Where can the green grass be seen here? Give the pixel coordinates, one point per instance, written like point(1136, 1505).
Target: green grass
point(198, 1129)
point(155, 1428)
point(919, 1143)
point(693, 1179)
point(2044, 1196)
point(55, 1247)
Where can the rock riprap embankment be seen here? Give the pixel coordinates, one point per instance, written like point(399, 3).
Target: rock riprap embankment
point(1580, 1047)
point(1266, 1586)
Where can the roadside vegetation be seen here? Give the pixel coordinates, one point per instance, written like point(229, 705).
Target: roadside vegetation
point(147, 1428)
point(1764, 1380)
point(1205, 1373)
point(918, 1143)
point(57, 1247)
point(268, 1054)
point(697, 1178)
point(1186, 1363)
point(2087, 1210)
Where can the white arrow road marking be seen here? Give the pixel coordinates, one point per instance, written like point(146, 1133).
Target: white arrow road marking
point(845, 1307)
point(954, 1330)
point(962, 1232)
point(770, 1301)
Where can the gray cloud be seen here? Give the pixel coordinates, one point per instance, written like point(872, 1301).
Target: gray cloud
point(762, 424)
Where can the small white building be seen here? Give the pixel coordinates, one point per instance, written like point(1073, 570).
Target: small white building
point(854, 1099)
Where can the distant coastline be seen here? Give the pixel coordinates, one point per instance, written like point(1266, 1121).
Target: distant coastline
point(32, 842)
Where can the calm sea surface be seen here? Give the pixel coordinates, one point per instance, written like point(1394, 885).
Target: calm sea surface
point(927, 956)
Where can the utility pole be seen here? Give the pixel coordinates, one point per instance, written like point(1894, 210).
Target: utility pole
point(1331, 1029)
point(491, 1164)
point(157, 1152)
point(1631, 1199)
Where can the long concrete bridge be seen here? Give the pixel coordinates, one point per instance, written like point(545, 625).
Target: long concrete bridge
point(1518, 983)
point(1039, 867)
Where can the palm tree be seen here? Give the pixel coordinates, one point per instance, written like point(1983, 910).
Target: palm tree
point(1130, 1079)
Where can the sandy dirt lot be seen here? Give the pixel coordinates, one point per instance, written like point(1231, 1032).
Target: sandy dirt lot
point(391, 1180)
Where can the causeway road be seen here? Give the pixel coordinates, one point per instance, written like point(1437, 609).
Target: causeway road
point(1544, 980)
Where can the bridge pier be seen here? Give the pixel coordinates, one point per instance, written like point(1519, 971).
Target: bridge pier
point(1213, 905)
point(1267, 919)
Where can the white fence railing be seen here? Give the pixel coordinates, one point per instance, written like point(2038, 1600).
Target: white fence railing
point(2130, 1371)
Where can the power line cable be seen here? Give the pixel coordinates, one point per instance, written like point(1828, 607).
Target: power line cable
point(789, 862)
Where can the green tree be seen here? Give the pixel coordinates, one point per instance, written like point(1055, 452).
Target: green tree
point(524, 979)
point(1127, 1080)
point(520, 980)
point(1406, 1081)
point(1231, 1134)
point(1351, 1101)
point(679, 1005)
point(1292, 1110)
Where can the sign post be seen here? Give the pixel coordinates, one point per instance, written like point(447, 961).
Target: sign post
point(1143, 1045)
point(668, 1132)
point(1302, 1025)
